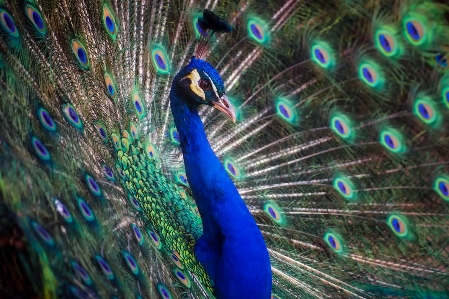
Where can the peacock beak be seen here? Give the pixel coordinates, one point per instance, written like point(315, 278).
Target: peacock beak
point(225, 106)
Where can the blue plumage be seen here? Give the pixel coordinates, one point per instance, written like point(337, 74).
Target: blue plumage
point(231, 248)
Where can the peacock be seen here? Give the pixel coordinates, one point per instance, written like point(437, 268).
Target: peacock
point(323, 172)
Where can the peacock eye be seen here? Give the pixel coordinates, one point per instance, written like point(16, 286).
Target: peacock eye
point(204, 84)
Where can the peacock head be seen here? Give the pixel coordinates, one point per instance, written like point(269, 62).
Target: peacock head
point(200, 83)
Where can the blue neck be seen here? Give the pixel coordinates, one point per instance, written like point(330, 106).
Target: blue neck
point(204, 170)
point(190, 128)
point(231, 248)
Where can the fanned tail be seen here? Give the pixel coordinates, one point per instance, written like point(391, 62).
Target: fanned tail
point(340, 150)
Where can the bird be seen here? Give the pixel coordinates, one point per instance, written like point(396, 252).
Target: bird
point(329, 143)
point(230, 234)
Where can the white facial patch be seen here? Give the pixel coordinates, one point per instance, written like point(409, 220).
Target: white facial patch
point(195, 78)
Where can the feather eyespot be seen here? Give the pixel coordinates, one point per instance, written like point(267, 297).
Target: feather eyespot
point(345, 187)
point(63, 211)
point(138, 104)
point(155, 239)
point(137, 234)
point(160, 59)
point(92, 185)
point(120, 172)
point(176, 259)
point(116, 141)
point(392, 140)
point(135, 203)
point(398, 225)
point(334, 241)
point(370, 74)
point(105, 268)
point(151, 151)
point(182, 277)
point(133, 130)
point(205, 84)
point(36, 19)
point(71, 116)
point(79, 50)
point(285, 109)
point(40, 150)
point(85, 210)
point(42, 233)
point(174, 136)
point(386, 42)
point(46, 120)
point(109, 21)
point(258, 30)
point(441, 186)
point(108, 174)
point(274, 212)
point(341, 125)
point(131, 262)
point(111, 86)
point(8, 24)
point(181, 178)
point(424, 24)
point(101, 130)
point(232, 168)
point(415, 31)
point(323, 55)
point(164, 292)
point(81, 273)
point(425, 109)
